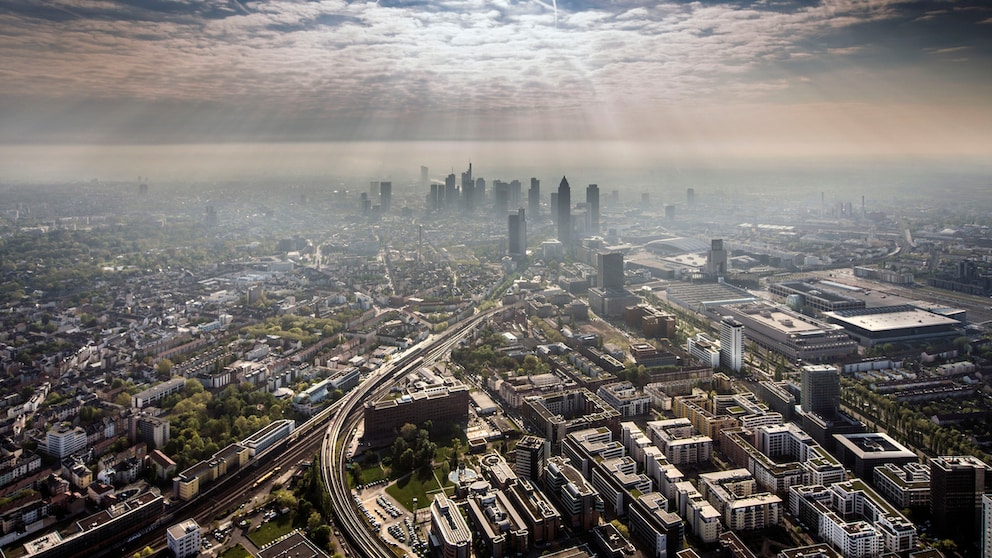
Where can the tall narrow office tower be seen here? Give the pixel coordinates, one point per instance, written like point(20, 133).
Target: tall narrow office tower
point(534, 198)
point(592, 202)
point(609, 267)
point(957, 483)
point(480, 190)
point(517, 233)
point(515, 189)
point(450, 191)
point(690, 196)
point(385, 196)
point(820, 390)
point(554, 207)
point(564, 213)
point(501, 198)
point(468, 190)
point(731, 344)
point(425, 175)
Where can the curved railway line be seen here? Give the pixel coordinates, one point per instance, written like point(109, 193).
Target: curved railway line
point(358, 532)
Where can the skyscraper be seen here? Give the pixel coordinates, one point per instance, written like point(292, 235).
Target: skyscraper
point(450, 191)
point(820, 390)
point(592, 201)
point(564, 213)
point(434, 198)
point(731, 344)
point(534, 198)
point(690, 196)
point(385, 196)
point(957, 484)
point(716, 258)
point(480, 190)
point(515, 190)
point(532, 453)
point(425, 175)
point(468, 190)
point(554, 207)
point(501, 198)
point(517, 233)
point(609, 266)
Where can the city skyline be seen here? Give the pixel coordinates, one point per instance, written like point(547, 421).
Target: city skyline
point(704, 83)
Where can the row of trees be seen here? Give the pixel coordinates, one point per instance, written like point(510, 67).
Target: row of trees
point(907, 424)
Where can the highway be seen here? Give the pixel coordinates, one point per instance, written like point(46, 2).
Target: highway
point(357, 531)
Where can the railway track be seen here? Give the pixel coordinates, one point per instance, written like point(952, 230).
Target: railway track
point(357, 531)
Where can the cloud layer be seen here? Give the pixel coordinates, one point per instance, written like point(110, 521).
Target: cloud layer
point(748, 75)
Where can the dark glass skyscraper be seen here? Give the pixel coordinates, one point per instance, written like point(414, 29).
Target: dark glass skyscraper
point(534, 198)
point(564, 212)
point(592, 201)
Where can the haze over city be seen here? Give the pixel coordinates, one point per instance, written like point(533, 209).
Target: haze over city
point(482, 279)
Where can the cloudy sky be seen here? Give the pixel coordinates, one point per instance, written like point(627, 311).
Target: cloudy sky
point(765, 78)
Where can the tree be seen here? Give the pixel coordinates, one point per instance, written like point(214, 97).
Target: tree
point(283, 498)
point(313, 521)
point(164, 367)
point(406, 461)
point(408, 431)
point(321, 536)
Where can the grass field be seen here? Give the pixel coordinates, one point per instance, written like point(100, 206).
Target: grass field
point(416, 485)
point(374, 473)
point(236, 552)
point(272, 530)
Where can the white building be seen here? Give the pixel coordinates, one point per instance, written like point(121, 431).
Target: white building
point(731, 344)
point(624, 397)
point(63, 441)
point(184, 538)
point(700, 516)
point(704, 349)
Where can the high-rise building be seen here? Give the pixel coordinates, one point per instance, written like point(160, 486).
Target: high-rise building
point(468, 190)
point(424, 175)
point(517, 233)
point(716, 258)
point(480, 190)
point(986, 525)
point(515, 190)
point(731, 344)
point(450, 191)
point(957, 484)
point(820, 390)
point(690, 196)
point(553, 204)
point(670, 212)
point(501, 198)
point(564, 213)
point(434, 198)
point(609, 266)
point(532, 453)
point(615, 197)
point(534, 198)
point(592, 202)
point(385, 196)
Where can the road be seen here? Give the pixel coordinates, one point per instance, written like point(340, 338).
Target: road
point(357, 531)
